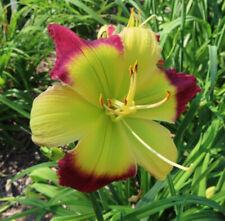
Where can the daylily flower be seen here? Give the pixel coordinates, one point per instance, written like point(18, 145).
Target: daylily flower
point(111, 92)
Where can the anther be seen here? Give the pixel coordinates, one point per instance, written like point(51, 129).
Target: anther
point(131, 72)
point(109, 102)
point(100, 100)
point(125, 100)
point(168, 95)
point(139, 12)
point(135, 69)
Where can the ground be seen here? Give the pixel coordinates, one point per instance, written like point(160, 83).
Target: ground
point(13, 161)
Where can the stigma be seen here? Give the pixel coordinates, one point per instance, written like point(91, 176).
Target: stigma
point(119, 109)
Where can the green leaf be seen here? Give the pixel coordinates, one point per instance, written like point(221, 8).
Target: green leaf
point(205, 215)
point(14, 106)
point(74, 217)
point(30, 169)
point(212, 65)
point(22, 214)
point(46, 189)
point(44, 174)
point(53, 153)
point(163, 204)
point(170, 26)
point(88, 10)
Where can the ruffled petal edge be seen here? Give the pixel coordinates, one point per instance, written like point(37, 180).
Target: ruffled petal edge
point(68, 45)
point(186, 88)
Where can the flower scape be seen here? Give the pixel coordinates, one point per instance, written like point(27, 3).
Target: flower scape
point(112, 92)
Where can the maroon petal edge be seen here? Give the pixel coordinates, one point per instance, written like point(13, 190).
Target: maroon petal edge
point(113, 40)
point(69, 44)
point(70, 175)
point(186, 88)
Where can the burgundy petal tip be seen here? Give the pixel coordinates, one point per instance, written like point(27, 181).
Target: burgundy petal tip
point(186, 88)
point(51, 29)
point(67, 44)
point(71, 175)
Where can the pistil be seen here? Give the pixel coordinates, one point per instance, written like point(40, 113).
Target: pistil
point(155, 152)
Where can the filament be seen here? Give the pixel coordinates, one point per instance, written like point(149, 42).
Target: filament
point(149, 106)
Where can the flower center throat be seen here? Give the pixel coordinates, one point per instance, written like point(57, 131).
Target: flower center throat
point(117, 109)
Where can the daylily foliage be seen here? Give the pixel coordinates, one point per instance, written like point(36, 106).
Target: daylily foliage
point(111, 91)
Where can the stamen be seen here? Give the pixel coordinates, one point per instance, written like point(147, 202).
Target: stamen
point(100, 100)
point(149, 106)
point(131, 72)
point(155, 152)
point(111, 110)
point(120, 109)
point(125, 100)
point(139, 18)
point(133, 18)
point(132, 88)
point(109, 102)
point(117, 103)
point(135, 69)
point(168, 95)
point(106, 107)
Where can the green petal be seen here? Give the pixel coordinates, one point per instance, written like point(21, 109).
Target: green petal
point(102, 156)
point(151, 89)
point(96, 70)
point(158, 138)
point(140, 44)
point(59, 116)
